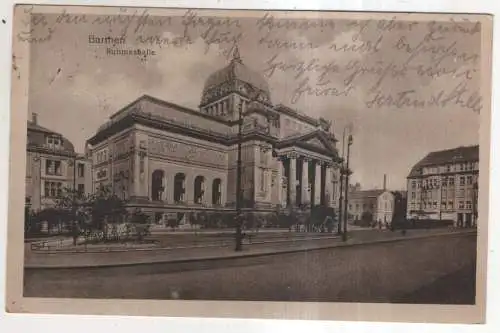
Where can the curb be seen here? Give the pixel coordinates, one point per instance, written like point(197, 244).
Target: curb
point(179, 247)
point(249, 255)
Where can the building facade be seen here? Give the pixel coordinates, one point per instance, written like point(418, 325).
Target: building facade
point(52, 165)
point(168, 159)
point(385, 208)
point(444, 186)
point(371, 206)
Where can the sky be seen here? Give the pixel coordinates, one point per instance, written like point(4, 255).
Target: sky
point(75, 86)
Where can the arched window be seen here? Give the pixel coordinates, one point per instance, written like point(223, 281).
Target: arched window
point(199, 189)
point(179, 187)
point(217, 192)
point(157, 186)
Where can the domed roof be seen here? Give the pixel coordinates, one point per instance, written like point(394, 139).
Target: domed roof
point(236, 71)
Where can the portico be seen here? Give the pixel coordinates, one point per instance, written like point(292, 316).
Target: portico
point(307, 180)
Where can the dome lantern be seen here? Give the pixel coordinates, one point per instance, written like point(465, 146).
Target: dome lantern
point(236, 77)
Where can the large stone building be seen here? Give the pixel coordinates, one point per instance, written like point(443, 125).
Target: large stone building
point(52, 165)
point(444, 186)
point(167, 159)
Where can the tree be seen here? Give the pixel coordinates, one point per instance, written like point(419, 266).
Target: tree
point(74, 203)
point(105, 208)
point(92, 212)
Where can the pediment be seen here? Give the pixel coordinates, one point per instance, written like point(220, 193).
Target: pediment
point(315, 142)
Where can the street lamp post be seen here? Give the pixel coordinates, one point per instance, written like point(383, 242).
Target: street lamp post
point(239, 220)
point(347, 173)
point(341, 189)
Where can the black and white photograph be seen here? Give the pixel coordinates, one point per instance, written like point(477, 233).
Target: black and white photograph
point(250, 157)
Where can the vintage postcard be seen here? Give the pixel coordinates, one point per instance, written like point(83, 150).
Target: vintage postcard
point(249, 164)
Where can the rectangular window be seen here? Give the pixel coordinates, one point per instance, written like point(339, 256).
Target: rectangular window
point(462, 180)
point(451, 181)
point(443, 205)
point(54, 142)
point(46, 189)
point(49, 167)
point(450, 204)
point(53, 189)
point(468, 204)
point(460, 205)
point(141, 165)
point(81, 170)
point(469, 180)
point(53, 168)
point(448, 168)
point(81, 188)
point(413, 195)
point(413, 184)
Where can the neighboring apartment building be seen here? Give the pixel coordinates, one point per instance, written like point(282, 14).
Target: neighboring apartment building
point(371, 206)
point(444, 186)
point(376, 206)
point(52, 165)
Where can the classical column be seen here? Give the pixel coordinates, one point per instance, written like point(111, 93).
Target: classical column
point(317, 183)
point(282, 199)
point(292, 174)
point(306, 199)
point(279, 181)
point(328, 186)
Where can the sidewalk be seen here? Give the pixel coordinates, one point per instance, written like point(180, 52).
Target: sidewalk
point(150, 256)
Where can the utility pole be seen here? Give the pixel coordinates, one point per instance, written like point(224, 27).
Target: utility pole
point(349, 143)
point(239, 220)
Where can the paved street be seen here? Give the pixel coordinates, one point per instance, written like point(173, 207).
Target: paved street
point(407, 271)
point(261, 244)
